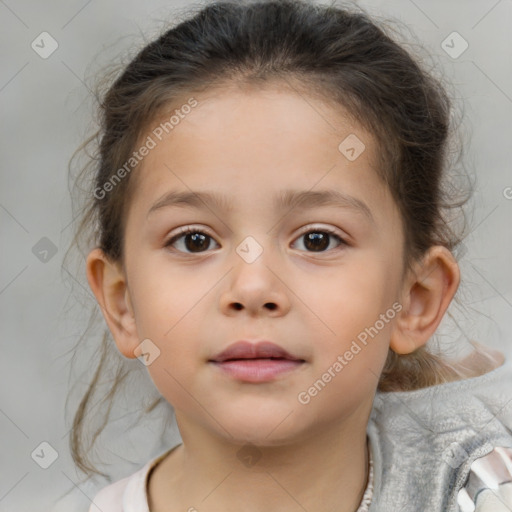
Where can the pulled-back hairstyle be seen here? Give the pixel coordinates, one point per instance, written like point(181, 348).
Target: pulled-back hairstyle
point(340, 55)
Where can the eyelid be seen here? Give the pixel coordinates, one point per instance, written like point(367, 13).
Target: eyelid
point(318, 227)
point(189, 228)
point(310, 227)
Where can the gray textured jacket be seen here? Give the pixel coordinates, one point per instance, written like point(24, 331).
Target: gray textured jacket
point(424, 442)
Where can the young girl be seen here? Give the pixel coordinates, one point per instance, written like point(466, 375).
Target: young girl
point(273, 241)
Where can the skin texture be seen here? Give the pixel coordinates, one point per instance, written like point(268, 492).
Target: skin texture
point(251, 145)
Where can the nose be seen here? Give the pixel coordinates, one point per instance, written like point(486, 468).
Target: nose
point(255, 288)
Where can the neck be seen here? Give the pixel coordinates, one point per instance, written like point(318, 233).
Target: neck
point(325, 470)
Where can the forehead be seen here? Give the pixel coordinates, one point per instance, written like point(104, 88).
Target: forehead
point(254, 141)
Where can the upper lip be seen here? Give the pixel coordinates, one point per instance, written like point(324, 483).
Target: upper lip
point(251, 350)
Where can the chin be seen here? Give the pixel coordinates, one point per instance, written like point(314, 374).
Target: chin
point(273, 428)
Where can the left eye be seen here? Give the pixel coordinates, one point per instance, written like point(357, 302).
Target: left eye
point(196, 241)
point(318, 239)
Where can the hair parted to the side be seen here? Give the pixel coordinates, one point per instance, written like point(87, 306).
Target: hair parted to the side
point(339, 54)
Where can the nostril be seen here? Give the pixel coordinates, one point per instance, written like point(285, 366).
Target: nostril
point(269, 305)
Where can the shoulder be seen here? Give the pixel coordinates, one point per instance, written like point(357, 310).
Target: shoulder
point(106, 499)
point(472, 401)
point(128, 494)
point(110, 498)
point(428, 439)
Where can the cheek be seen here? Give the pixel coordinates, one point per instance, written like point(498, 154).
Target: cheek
point(354, 296)
point(168, 312)
point(354, 316)
point(171, 323)
point(165, 300)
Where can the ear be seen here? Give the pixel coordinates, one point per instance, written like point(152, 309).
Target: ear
point(108, 283)
point(426, 295)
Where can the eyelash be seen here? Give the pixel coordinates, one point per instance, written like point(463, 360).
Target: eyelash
point(192, 229)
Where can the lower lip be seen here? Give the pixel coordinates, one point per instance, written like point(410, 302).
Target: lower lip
point(257, 370)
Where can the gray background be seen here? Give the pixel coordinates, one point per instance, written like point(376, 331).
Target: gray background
point(46, 112)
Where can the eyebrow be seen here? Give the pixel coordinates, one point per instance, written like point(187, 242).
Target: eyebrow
point(288, 199)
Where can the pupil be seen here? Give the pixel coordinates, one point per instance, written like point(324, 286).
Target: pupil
point(196, 237)
point(319, 240)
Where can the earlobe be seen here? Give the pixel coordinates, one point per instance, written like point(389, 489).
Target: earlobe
point(109, 286)
point(427, 294)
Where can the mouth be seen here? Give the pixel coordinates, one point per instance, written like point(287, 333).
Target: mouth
point(259, 362)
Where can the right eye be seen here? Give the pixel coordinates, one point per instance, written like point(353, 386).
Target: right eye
point(192, 239)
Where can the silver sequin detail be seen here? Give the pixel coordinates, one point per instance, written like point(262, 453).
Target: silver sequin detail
point(486, 472)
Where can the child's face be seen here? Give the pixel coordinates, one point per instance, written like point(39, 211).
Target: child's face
point(196, 298)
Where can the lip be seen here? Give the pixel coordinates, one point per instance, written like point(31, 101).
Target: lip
point(256, 362)
point(248, 350)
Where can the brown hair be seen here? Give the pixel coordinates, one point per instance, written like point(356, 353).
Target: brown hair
point(338, 54)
